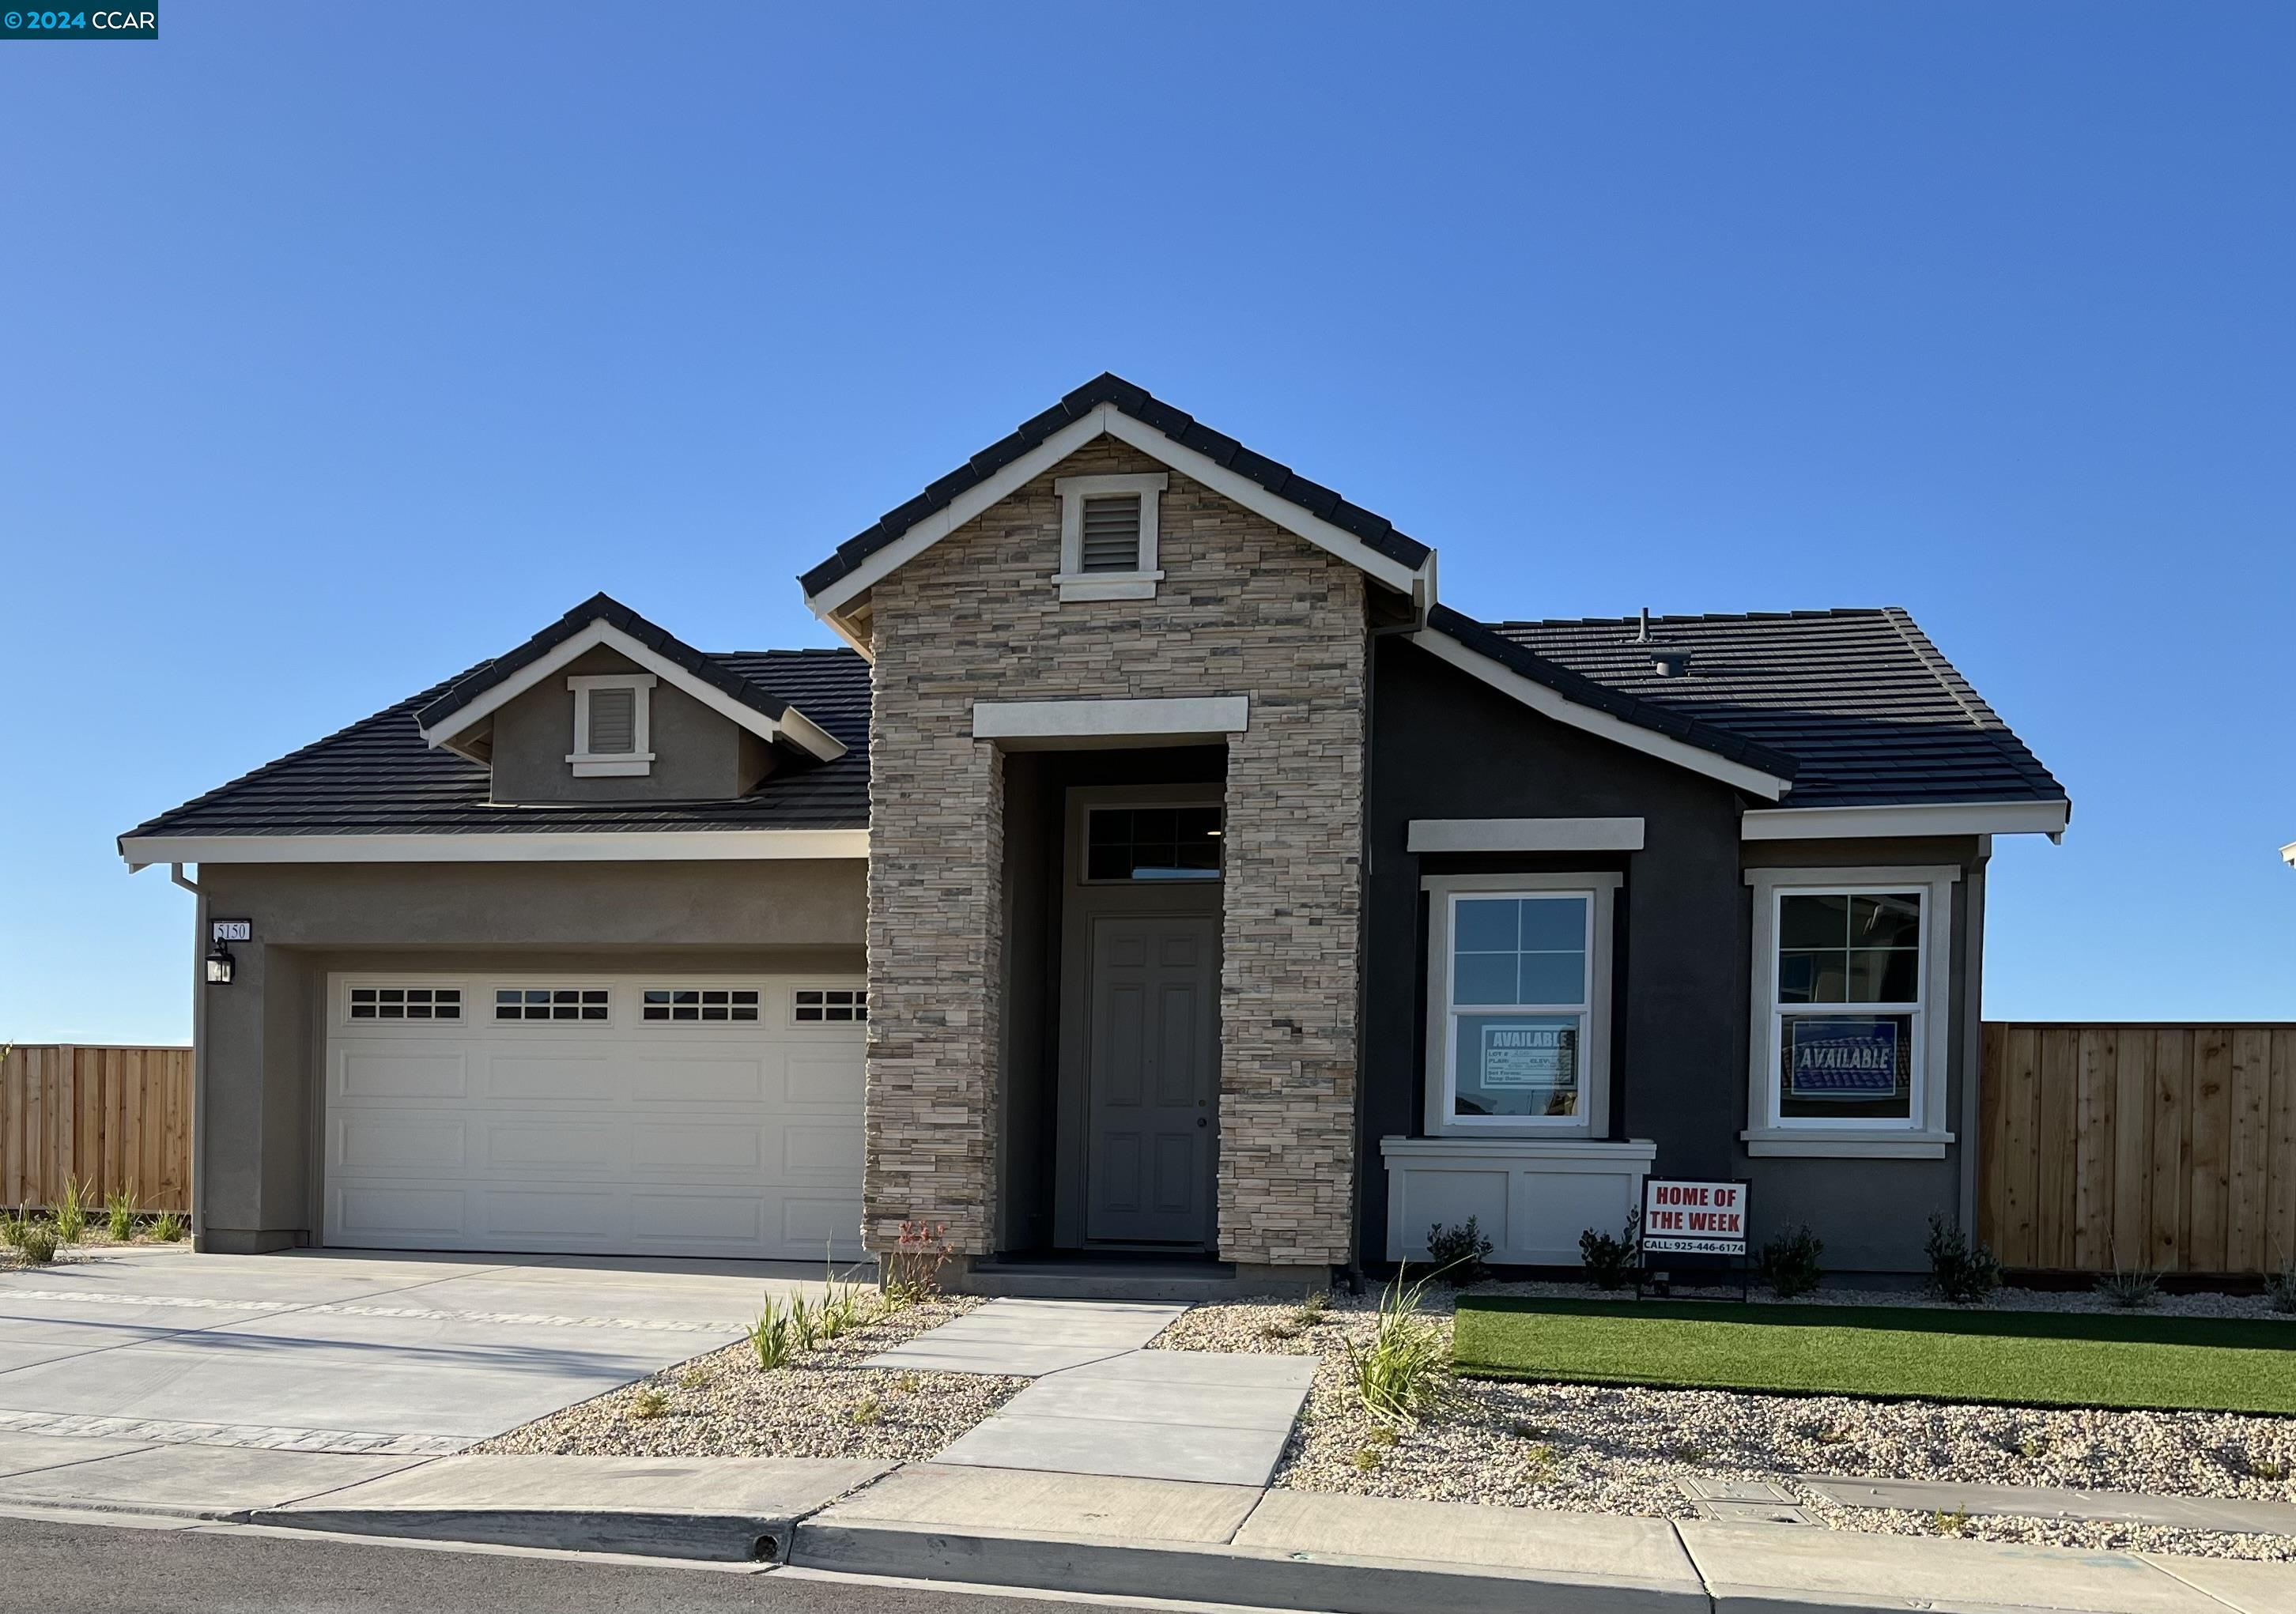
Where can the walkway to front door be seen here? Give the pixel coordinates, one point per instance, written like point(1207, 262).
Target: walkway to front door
point(1102, 1405)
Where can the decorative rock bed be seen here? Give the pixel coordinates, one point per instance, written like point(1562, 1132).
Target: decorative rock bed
point(823, 1404)
point(1621, 1449)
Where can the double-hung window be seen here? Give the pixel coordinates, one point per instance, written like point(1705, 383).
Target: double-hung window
point(1850, 1024)
point(1518, 1015)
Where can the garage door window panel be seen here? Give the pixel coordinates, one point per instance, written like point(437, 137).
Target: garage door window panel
point(402, 1004)
point(554, 1006)
point(694, 1006)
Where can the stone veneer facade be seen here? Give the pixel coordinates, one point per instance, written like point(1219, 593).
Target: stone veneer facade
point(1244, 609)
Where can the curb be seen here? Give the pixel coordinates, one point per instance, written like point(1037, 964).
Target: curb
point(1226, 1574)
point(718, 1538)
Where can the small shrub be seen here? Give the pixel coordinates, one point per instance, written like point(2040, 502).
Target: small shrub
point(1953, 1523)
point(1788, 1263)
point(2130, 1290)
point(694, 1377)
point(805, 1321)
point(2280, 1290)
point(910, 1272)
point(2034, 1444)
point(1960, 1272)
point(12, 1229)
point(1541, 1460)
point(774, 1335)
point(72, 1212)
point(1313, 1311)
point(1830, 1434)
point(908, 1384)
point(1367, 1458)
point(36, 1243)
point(167, 1228)
point(1458, 1252)
point(1406, 1370)
point(1381, 1434)
point(867, 1409)
point(648, 1403)
point(1613, 1260)
point(2266, 1468)
point(119, 1215)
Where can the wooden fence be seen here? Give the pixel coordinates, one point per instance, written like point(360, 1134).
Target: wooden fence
point(2167, 1148)
point(112, 1119)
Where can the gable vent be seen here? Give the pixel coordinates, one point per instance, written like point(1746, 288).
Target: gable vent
point(1112, 534)
point(613, 721)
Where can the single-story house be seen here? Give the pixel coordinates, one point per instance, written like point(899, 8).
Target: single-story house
point(1164, 875)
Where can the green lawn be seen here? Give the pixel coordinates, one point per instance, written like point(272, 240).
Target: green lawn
point(2040, 1359)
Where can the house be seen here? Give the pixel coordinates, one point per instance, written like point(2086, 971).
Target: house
point(1165, 870)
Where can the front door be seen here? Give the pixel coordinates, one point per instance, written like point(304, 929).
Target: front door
point(1152, 1074)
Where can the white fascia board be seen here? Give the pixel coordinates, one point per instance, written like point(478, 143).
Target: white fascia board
point(793, 726)
point(508, 846)
point(1524, 835)
point(1946, 818)
point(2288, 852)
point(1109, 420)
point(1552, 703)
point(1055, 721)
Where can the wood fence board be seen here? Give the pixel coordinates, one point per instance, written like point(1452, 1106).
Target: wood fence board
point(2019, 1153)
point(2097, 1071)
point(2172, 1147)
point(2211, 1178)
point(2250, 1181)
point(2132, 1152)
point(2058, 1202)
point(2280, 1227)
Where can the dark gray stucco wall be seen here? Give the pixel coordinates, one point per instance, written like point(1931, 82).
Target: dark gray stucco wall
point(263, 1052)
point(1446, 746)
point(699, 754)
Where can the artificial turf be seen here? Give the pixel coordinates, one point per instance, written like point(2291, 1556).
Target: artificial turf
point(2018, 1357)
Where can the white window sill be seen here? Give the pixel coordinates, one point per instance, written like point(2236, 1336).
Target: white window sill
point(1108, 584)
point(611, 767)
point(1833, 1143)
point(1462, 1154)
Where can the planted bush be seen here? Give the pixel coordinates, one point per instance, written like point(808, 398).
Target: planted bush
point(2280, 1290)
point(1611, 1261)
point(774, 1335)
point(72, 1212)
point(1458, 1253)
point(910, 1272)
point(1962, 1273)
point(167, 1228)
point(2130, 1290)
point(36, 1243)
point(1788, 1263)
point(119, 1215)
point(1406, 1370)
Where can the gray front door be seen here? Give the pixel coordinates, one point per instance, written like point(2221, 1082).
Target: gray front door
point(1155, 1055)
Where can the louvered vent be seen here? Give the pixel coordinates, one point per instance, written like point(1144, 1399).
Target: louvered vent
point(613, 721)
point(1112, 534)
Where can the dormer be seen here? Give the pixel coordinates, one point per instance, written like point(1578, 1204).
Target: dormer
point(604, 706)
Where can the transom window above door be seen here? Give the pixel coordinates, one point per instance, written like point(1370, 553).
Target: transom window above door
point(1153, 843)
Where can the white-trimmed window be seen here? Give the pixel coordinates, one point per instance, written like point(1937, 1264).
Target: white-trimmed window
point(817, 1006)
point(556, 1005)
point(613, 733)
point(378, 1003)
point(1108, 536)
point(681, 1005)
point(1850, 1033)
point(1518, 1016)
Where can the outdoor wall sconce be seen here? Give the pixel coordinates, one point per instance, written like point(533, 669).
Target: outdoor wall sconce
point(219, 966)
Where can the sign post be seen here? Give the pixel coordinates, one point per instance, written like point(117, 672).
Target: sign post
point(1699, 1220)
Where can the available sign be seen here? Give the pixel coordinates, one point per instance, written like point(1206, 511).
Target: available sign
point(1694, 1219)
point(1842, 1059)
point(1531, 1056)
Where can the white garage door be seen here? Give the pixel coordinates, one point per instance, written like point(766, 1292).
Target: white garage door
point(691, 1115)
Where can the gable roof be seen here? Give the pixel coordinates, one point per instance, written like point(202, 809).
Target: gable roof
point(602, 619)
point(1871, 712)
point(1109, 403)
point(378, 778)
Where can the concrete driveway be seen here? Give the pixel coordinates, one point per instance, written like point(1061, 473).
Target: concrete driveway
point(406, 1354)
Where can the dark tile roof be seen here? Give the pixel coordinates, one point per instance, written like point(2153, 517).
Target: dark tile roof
point(1281, 481)
point(713, 671)
point(1658, 717)
point(377, 776)
point(1869, 710)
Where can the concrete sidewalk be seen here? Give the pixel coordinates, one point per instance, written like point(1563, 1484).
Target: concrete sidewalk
point(1106, 1534)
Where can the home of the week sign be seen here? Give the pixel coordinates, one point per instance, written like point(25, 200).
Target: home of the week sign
point(1695, 1218)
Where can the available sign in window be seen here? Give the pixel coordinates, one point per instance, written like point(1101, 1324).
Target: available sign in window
point(1847, 1066)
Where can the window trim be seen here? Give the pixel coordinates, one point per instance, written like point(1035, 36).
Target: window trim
point(633, 763)
point(857, 1019)
point(609, 1021)
point(1074, 582)
point(1119, 803)
point(366, 982)
point(1924, 1134)
point(1442, 891)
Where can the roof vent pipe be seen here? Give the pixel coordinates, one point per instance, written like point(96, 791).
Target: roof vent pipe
point(1643, 638)
point(1672, 660)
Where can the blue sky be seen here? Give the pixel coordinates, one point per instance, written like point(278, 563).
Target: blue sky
point(343, 346)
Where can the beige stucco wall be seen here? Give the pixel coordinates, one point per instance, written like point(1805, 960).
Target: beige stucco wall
point(1244, 609)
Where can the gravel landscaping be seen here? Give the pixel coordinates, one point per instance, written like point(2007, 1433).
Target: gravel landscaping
point(1620, 1449)
point(823, 1404)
